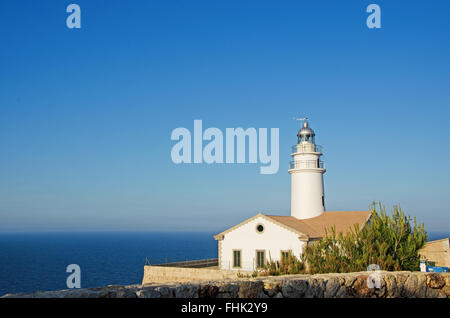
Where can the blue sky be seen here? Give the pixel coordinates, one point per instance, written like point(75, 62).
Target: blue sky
point(86, 115)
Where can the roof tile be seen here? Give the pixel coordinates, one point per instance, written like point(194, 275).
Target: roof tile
point(316, 227)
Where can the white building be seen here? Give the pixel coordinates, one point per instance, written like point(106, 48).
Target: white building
point(248, 245)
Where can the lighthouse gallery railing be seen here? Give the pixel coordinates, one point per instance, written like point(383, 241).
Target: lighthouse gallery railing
point(306, 147)
point(306, 164)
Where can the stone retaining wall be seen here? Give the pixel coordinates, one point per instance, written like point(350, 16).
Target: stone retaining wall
point(351, 285)
point(163, 274)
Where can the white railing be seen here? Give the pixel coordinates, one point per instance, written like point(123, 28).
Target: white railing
point(199, 263)
point(307, 164)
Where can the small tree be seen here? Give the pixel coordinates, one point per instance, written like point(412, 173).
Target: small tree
point(391, 242)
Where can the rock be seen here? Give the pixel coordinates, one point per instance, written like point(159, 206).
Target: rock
point(410, 286)
point(446, 290)
point(272, 288)
point(208, 291)
point(165, 292)
point(187, 291)
point(421, 291)
point(435, 281)
point(392, 290)
point(294, 288)
point(228, 290)
point(316, 288)
point(62, 294)
point(122, 294)
point(251, 289)
point(401, 279)
point(380, 292)
point(435, 293)
point(82, 293)
point(360, 288)
point(342, 292)
point(148, 293)
point(392, 284)
point(349, 280)
point(331, 287)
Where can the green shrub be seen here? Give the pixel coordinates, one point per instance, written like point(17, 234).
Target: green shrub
point(287, 265)
point(391, 242)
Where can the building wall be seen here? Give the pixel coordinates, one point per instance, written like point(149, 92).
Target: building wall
point(273, 240)
point(306, 193)
point(306, 186)
point(437, 251)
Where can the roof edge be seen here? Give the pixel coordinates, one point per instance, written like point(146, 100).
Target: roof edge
point(221, 235)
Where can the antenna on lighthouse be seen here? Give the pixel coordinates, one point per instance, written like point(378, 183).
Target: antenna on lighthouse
point(301, 121)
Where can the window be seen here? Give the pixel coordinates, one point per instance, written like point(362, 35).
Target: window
point(260, 228)
point(323, 201)
point(260, 259)
point(237, 258)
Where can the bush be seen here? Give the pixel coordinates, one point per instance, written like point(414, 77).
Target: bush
point(391, 242)
point(287, 265)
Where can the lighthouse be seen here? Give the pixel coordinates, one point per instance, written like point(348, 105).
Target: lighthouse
point(248, 245)
point(306, 170)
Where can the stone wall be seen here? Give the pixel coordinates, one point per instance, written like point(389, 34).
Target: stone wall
point(351, 285)
point(164, 274)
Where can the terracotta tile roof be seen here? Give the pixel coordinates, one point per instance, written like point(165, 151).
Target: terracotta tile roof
point(344, 221)
point(295, 224)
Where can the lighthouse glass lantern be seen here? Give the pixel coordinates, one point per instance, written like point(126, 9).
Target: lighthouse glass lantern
point(306, 134)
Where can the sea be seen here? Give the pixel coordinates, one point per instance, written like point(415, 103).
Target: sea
point(32, 262)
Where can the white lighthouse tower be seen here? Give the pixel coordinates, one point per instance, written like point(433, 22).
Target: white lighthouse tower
point(306, 170)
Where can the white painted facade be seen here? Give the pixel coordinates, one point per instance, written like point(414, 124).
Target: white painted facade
point(246, 238)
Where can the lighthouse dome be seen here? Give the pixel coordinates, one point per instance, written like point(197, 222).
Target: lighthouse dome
point(306, 133)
